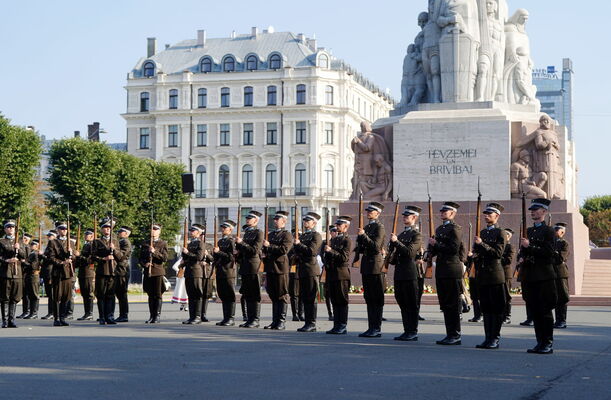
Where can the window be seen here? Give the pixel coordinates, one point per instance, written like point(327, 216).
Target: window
point(172, 135)
point(145, 135)
point(272, 133)
point(300, 180)
point(247, 181)
point(224, 181)
point(275, 62)
point(271, 95)
point(229, 64)
point(223, 214)
point(225, 135)
point(328, 132)
point(202, 135)
point(144, 101)
point(329, 180)
point(200, 182)
point(251, 63)
point(300, 132)
point(329, 95)
point(225, 97)
point(149, 69)
point(200, 216)
point(244, 211)
point(271, 175)
point(323, 61)
point(301, 94)
point(173, 99)
point(248, 96)
point(247, 134)
point(205, 65)
point(202, 98)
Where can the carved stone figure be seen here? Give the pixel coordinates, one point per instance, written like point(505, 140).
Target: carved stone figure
point(522, 180)
point(413, 84)
point(459, 16)
point(430, 53)
point(372, 169)
point(492, 51)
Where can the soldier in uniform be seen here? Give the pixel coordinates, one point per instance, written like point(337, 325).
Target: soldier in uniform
point(405, 248)
point(86, 274)
point(562, 275)
point(32, 280)
point(208, 282)
point(337, 265)
point(122, 273)
point(12, 255)
point(306, 249)
point(152, 260)
point(224, 264)
point(325, 284)
point(58, 252)
point(473, 291)
point(69, 311)
point(370, 242)
point(507, 261)
point(449, 271)
point(107, 254)
point(25, 301)
point(193, 264)
point(296, 301)
point(46, 267)
point(248, 249)
point(276, 267)
point(488, 248)
point(537, 253)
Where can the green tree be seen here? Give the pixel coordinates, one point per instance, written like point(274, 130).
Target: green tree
point(597, 216)
point(20, 151)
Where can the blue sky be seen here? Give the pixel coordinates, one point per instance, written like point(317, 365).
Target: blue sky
point(63, 64)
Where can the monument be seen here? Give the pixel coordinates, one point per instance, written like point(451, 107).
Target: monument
point(469, 112)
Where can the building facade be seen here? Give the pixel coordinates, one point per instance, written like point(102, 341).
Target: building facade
point(555, 92)
point(261, 118)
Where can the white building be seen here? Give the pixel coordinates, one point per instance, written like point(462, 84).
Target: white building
point(262, 117)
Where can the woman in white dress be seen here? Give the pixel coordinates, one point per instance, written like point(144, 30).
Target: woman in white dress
point(180, 291)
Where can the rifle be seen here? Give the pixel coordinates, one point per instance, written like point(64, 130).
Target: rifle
point(266, 236)
point(185, 232)
point(15, 241)
point(151, 243)
point(215, 240)
point(296, 227)
point(78, 237)
point(467, 273)
point(428, 273)
point(523, 232)
point(112, 221)
point(239, 226)
point(394, 232)
point(478, 228)
point(420, 257)
point(69, 241)
point(323, 275)
point(356, 262)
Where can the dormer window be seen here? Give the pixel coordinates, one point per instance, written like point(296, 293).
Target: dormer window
point(149, 69)
point(205, 65)
point(323, 61)
point(275, 62)
point(252, 63)
point(229, 64)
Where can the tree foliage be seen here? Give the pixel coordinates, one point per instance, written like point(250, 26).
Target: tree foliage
point(20, 150)
point(597, 216)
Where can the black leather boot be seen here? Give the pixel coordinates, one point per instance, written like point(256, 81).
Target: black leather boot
point(487, 331)
point(495, 331)
point(477, 313)
point(33, 314)
point(123, 309)
point(282, 308)
point(204, 308)
point(157, 311)
point(25, 310)
point(152, 310)
point(310, 319)
point(243, 307)
point(228, 312)
point(108, 307)
point(193, 306)
point(12, 310)
point(342, 320)
point(101, 312)
point(369, 324)
point(274, 322)
point(63, 312)
point(253, 311)
point(4, 308)
point(56, 314)
point(329, 308)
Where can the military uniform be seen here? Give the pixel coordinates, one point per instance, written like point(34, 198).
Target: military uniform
point(104, 276)
point(276, 267)
point(224, 264)
point(562, 281)
point(309, 271)
point(296, 302)
point(193, 263)
point(507, 262)
point(121, 278)
point(86, 275)
point(62, 273)
point(32, 284)
point(11, 280)
point(249, 259)
point(25, 300)
point(45, 274)
point(153, 281)
point(337, 265)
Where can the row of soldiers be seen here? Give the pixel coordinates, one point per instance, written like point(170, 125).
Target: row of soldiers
point(247, 254)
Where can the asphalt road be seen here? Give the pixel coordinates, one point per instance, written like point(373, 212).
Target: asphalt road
point(170, 360)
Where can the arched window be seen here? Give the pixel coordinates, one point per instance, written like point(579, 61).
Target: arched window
point(271, 95)
point(301, 94)
point(275, 62)
point(271, 176)
point(173, 99)
point(329, 179)
point(225, 97)
point(200, 182)
point(329, 95)
point(300, 180)
point(149, 69)
point(229, 64)
point(247, 180)
point(323, 61)
point(248, 96)
point(205, 65)
point(144, 101)
point(251, 63)
point(224, 181)
point(202, 98)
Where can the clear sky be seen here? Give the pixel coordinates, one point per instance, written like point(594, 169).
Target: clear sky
point(63, 64)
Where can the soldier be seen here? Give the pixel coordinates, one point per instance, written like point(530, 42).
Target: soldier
point(208, 282)
point(224, 263)
point(25, 301)
point(193, 264)
point(488, 248)
point(325, 285)
point(122, 273)
point(248, 251)
point(296, 301)
point(473, 291)
point(562, 275)
point(537, 254)
point(86, 274)
point(507, 261)
point(449, 271)
point(32, 280)
point(12, 255)
point(337, 265)
point(306, 249)
point(405, 248)
point(276, 267)
point(69, 310)
point(58, 252)
point(107, 254)
point(242, 299)
point(370, 242)
point(152, 260)
point(46, 275)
